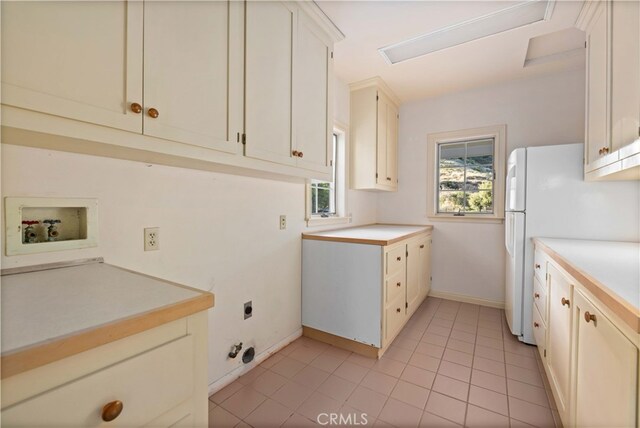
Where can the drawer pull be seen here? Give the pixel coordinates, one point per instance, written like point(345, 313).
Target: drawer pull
point(589, 317)
point(536, 325)
point(565, 302)
point(398, 284)
point(398, 310)
point(153, 113)
point(398, 258)
point(111, 410)
point(422, 246)
point(536, 295)
point(136, 108)
point(537, 266)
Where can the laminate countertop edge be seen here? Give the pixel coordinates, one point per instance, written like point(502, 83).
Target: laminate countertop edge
point(623, 309)
point(316, 236)
point(39, 354)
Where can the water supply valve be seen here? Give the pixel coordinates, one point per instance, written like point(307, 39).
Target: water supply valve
point(52, 230)
point(30, 235)
point(235, 350)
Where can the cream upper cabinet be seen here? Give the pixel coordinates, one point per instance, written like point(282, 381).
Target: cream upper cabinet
point(606, 375)
point(313, 71)
point(78, 60)
point(596, 94)
point(192, 83)
point(625, 72)
point(559, 338)
point(288, 119)
point(374, 136)
point(193, 72)
point(269, 81)
point(612, 115)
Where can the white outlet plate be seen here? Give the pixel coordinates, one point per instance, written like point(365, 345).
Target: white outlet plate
point(283, 222)
point(151, 238)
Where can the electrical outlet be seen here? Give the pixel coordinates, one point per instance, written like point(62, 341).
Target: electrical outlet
point(151, 238)
point(283, 222)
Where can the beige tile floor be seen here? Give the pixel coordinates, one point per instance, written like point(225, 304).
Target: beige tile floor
point(453, 364)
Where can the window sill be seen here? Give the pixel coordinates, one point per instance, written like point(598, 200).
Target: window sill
point(322, 221)
point(466, 219)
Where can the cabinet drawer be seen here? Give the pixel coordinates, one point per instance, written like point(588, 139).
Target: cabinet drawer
point(540, 266)
point(394, 286)
point(394, 318)
point(539, 332)
point(395, 260)
point(540, 298)
point(148, 385)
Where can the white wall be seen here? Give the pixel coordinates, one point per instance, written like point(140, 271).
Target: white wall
point(218, 232)
point(468, 258)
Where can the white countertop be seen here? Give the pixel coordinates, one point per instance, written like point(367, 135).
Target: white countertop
point(616, 265)
point(39, 307)
point(378, 234)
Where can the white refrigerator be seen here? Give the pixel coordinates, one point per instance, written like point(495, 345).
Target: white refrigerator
point(546, 196)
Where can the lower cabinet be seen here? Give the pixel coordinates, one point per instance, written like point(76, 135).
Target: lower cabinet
point(157, 378)
point(359, 296)
point(591, 363)
point(559, 337)
point(606, 370)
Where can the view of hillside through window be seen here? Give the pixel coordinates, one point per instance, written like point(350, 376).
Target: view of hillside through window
point(465, 176)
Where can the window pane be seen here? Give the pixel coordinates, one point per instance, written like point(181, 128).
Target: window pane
point(480, 152)
point(451, 178)
point(480, 201)
point(451, 201)
point(452, 154)
point(324, 204)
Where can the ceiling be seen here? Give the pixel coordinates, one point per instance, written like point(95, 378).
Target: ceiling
point(370, 25)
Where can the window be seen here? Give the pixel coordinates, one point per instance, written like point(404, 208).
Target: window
point(468, 174)
point(326, 200)
point(323, 193)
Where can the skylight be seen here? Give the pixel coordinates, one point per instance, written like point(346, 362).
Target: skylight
point(515, 16)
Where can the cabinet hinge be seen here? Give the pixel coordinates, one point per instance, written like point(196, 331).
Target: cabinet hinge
point(430, 278)
point(331, 54)
point(638, 131)
point(331, 163)
point(406, 304)
point(585, 45)
point(376, 175)
point(238, 137)
point(406, 254)
point(545, 353)
point(377, 98)
point(244, 138)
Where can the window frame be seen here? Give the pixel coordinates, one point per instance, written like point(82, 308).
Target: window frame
point(340, 162)
point(498, 134)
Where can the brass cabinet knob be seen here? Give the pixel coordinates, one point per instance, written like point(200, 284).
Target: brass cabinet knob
point(398, 284)
point(537, 266)
point(152, 112)
point(300, 154)
point(605, 150)
point(398, 310)
point(589, 317)
point(388, 178)
point(136, 108)
point(422, 246)
point(536, 295)
point(600, 152)
point(295, 153)
point(536, 325)
point(398, 258)
point(565, 302)
point(111, 410)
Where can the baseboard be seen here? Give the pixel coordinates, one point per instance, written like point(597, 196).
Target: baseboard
point(239, 371)
point(466, 299)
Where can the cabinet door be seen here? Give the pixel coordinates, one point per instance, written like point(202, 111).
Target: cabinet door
point(625, 72)
point(269, 30)
point(414, 271)
point(606, 371)
point(559, 338)
point(383, 104)
point(79, 60)
point(392, 146)
point(424, 254)
point(312, 115)
point(596, 135)
point(190, 66)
